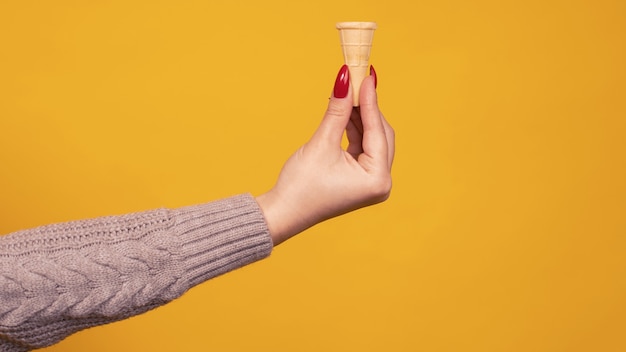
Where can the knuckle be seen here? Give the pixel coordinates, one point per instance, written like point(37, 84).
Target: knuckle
point(389, 130)
point(369, 104)
point(336, 110)
point(381, 188)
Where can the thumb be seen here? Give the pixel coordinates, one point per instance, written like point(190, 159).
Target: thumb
point(337, 114)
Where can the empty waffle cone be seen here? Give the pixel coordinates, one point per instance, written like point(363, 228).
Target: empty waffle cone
point(356, 43)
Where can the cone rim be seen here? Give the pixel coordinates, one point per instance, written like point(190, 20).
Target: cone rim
point(356, 25)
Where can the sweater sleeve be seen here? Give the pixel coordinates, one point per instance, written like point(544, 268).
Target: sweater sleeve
point(58, 279)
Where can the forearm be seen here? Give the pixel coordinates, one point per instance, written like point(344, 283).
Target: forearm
point(58, 279)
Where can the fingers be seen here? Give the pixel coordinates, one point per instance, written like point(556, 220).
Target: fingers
point(367, 130)
point(390, 134)
point(338, 112)
point(375, 141)
point(355, 119)
point(354, 132)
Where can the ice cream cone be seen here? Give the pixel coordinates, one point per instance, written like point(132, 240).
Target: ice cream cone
point(356, 42)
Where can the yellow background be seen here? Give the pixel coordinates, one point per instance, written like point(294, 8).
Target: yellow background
point(506, 229)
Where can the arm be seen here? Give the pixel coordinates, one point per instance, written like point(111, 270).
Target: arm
point(59, 279)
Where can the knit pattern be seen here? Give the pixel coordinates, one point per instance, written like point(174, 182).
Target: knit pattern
point(58, 279)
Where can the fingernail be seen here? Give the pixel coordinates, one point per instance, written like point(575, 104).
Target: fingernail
point(373, 73)
point(342, 83)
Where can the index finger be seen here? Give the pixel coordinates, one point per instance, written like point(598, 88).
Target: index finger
point(375, 143)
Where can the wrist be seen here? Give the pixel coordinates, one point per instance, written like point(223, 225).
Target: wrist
point(267, 203)
point(282, 218)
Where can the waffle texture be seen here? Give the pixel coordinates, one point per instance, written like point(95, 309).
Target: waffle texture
point(58, 279)
point(356, 43)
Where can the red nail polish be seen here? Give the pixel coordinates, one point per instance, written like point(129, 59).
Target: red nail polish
point(373, 73)
point(342, 83)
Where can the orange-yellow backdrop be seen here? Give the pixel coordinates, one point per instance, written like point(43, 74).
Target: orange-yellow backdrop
point(506, 230)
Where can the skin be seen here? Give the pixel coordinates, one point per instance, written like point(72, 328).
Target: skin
point(321, 180)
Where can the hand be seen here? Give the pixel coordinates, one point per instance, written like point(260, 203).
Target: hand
point(321, 180)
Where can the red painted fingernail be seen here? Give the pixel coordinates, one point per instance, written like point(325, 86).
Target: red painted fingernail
point(373, 73)
point(342, 83)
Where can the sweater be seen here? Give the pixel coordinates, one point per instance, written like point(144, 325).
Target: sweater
point(58, 279)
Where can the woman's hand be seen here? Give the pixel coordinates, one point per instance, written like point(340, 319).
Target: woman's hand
point(322, 180)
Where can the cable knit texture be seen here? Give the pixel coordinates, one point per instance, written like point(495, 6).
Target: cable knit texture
point(58, 279)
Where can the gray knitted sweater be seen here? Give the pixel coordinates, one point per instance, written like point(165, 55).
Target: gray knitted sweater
point(59, 279)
